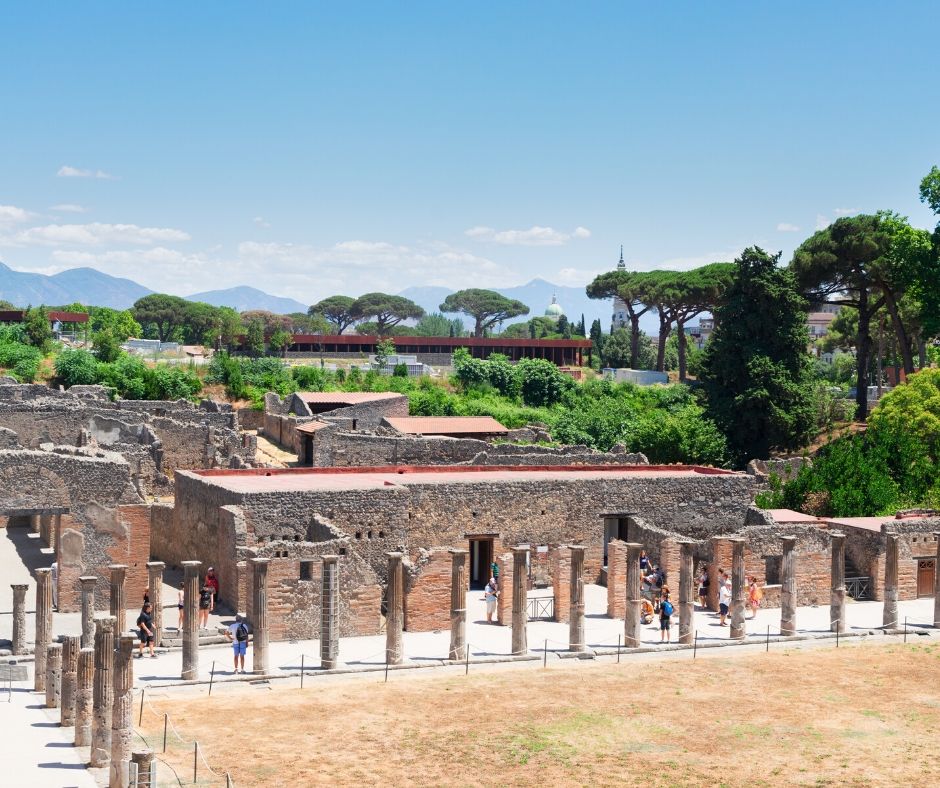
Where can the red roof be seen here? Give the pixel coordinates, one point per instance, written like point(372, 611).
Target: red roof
point(872, 523)
point(18, 315)
point(365, 339)
point(446, 425)
point(345, 397)
point(790, 516)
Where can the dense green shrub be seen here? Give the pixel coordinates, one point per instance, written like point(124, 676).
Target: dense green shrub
point(20, 360)
point(76, 368)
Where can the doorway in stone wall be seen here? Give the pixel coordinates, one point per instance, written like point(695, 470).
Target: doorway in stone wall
point(481, 559)
point(926, 576)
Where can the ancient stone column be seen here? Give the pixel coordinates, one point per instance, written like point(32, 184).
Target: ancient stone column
point(70, 646)
point(43, 625)
point(936, 584)
point(458, 605)
point(191, 615)
point(788, 587)
point(520, 595)
point(144, 762)
point(329, 613)
point(118, 601)
point(837, 582)
point(686, 592)
point(890, 616)
point(155, 583)
point(631, 614)
point(259, 615)
point(84, 696)
point(394, 621)
point(576, 613)
point(53, 675)
point(122, 723)
point(103, 693)
point(18, 640)
point(738, 588)
point(87, 583)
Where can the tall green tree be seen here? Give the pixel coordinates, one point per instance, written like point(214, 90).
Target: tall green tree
point(37, 328)
point(120, 322)
point(438, 325)
point(164, 312)
point(254, 338)
point(631, 288)
point(839, 264)
point(486, 307)
point(755, 369)
point(336, 309)
point(386, 310)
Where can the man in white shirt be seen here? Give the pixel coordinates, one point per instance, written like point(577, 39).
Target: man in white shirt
point(490, 594)
point(237, 633)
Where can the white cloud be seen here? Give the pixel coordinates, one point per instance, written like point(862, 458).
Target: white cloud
point(260, 221)
point(576, 277)
point(534, 236)
point(786, 227)
point(10, 214)
point(69, 207)
point(65, 171)
point(93, 234)
point(822, 222)
point(845, 211)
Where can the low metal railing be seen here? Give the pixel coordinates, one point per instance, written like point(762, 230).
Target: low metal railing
point(541, 607)
point(858, 587)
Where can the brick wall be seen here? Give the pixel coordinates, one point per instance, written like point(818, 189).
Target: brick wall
point(561, 582)
point(504, 600)
point(427, 592)
point(616, 578)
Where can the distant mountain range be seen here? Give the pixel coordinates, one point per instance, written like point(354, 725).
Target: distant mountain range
point(90, 286)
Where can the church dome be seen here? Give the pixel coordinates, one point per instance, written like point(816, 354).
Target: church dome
point(554, 309)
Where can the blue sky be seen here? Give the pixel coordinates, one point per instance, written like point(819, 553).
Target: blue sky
point(308, 149)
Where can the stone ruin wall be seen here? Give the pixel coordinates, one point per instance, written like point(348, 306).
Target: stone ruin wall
point(154, 437)
point(336, 447)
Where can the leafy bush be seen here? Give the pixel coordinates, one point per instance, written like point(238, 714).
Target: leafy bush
point(76, 368)
point(541, 382)
point(22, 361)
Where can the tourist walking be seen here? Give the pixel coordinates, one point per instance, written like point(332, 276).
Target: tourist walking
point(724, 598)
point(644, 563)
point(491, 594)
point(181, 608)
point(665, 618)
point(237, 633)
point(213, 582)
point(145, 630)
point(703, 589)
point(205, 605)
point(754, 595)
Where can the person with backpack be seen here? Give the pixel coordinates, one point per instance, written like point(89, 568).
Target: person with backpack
point(237, 633)
point(665, 618)
point(205, 605)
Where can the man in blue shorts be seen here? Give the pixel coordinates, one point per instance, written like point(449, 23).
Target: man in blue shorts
point(238, 634)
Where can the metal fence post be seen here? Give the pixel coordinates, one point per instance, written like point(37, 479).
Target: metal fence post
point(166, 718)
point(211, 678)
point(195, 760)
point(140, 719)
point(695, 645)
point(301, 671)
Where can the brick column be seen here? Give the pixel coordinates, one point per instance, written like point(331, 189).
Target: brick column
point(576, 609)
point(53, 675)
point(837, 582)
point(84, 696)
point(46, 531)
point(329, 613)
point(890, 614)
point(155, 583)
point(241, 572)
point(788, 587)
point(936, 584)
point(631, 612)
point(562, 578)
point(504, 599)
point(394, 621)
point(721, 559)
point(143, 759)
point(118, 602)
point(616, 577)
point(686, 592)
point(103, 692)
point(738, 588)
point(259, 615)
point(520, 593)
point(70, 646)
point(18, 640)
point(191, 613)
point(87, 583)
point(43, 626)
point(458, 605)
point(122, 724)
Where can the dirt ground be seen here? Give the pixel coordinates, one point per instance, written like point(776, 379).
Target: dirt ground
point(853, 716)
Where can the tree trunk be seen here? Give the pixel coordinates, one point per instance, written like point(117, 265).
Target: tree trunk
point(922, 352)
point(634, 340)
point(680, 329)
point(478, 327)
point(862, 353)
point(881, 352)
point(664, 328)
point(903, 341)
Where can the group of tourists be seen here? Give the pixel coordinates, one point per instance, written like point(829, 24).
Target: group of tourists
point(208, 599)
point(754, 594)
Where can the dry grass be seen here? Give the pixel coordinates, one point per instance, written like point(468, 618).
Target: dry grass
point(853, 716)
